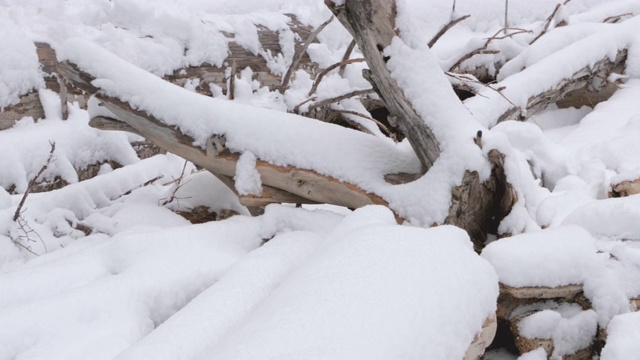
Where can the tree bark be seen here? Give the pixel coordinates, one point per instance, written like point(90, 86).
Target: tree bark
point(372, 25)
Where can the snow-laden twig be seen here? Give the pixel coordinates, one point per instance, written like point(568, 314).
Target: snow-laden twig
point(548, 21)
point(483, 49)
point(446, 28)
point(298, 57)
point(33, 181)
point(340, 98)
point(346, 56)
point(179, 184)
point(324, 72)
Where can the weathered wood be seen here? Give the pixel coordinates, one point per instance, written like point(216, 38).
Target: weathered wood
point(29, 105)
point(479, 207)
point(625, 188)
point(583, 79)
point(243, 58)
point(483, 339)
point(372, 24)
point(207, 74)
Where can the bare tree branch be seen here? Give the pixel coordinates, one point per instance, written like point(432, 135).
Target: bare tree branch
point(298, 57)
point(346, 56)
point(33, 181)
point(446, 28)
point(324, 72)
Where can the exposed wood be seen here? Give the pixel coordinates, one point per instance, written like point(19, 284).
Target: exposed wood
point(306, 184)
point(567, 292)
point(483, 339)
point(625, 188)
point(580, 80)
point(299, 54)
point(243, 58)
point(372, 24)
point(479, 207)
point(207, 74)
point(29, 105)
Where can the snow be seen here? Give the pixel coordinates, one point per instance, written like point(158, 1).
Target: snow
point(623, 338)
point(569, 332)
point(319, 281)
point(18, 64)
point(552, 257)
point(359, 281)
point(247, 178)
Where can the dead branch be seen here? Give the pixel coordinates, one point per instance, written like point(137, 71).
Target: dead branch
point(614, 19)
point(339, 98)
point(346, 56)
point(324, 72)
point(298, 56)
point(446, 28)
point(232, 81)
point(33, 181)
point(378, 123)
point(372, 25)
point(483, 49)
point(548, 21)
point(178, 182)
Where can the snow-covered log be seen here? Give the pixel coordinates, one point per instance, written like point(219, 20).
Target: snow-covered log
point(203, 76)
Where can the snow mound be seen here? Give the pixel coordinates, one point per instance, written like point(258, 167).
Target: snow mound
point(623, 338)
point(384, 284)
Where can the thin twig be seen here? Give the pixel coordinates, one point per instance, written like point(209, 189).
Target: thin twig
point(446, 28)
point(548, 21)
point(506, 16)
point(298, 57)
point(324, 72)
point(382, 126)
point(296, 109)
point(483, 48)
point(146, 183)
point(340, 98)
point(33, 181)
point(346, 56)
point(232, 81)
point(178, 183)
point(614, 19)
point(476, 81)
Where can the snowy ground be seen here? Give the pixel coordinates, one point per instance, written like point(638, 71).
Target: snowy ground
point(314, 282)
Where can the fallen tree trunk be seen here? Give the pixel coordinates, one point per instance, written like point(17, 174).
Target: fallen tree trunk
point(578, 90)
point(204, 75)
